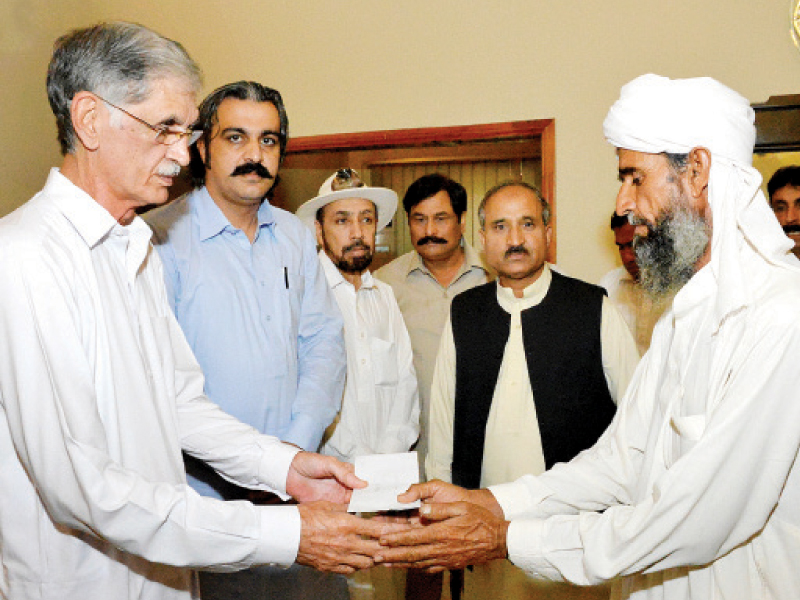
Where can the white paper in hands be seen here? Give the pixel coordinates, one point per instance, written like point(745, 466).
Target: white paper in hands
point(388, 475)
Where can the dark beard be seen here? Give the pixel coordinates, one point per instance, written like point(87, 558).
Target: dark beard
point(673, 246)
point(350, 265)
point(354, 265)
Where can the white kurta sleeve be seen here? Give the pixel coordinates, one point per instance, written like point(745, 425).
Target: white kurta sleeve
point(723, 484)
point(439, 461)
point(74, 451)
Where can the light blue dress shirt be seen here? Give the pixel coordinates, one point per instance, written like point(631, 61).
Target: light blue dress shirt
point(260, 318)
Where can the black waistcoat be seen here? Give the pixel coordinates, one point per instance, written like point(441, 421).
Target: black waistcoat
point(561, 337)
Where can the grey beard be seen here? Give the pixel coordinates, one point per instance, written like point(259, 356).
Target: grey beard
point(668, 255)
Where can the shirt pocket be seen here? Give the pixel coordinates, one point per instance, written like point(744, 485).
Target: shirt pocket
point(384, 361)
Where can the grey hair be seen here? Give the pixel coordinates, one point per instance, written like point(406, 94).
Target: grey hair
point(507, 184)
point(677, 162)
point(118, 61)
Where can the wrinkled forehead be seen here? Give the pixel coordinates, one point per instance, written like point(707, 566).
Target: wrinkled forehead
point(513, 201)
point(171, 101)
point(351, 206)
point(438, 203)
point(247, 115)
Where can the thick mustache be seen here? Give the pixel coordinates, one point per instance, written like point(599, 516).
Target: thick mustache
point(431, 239)
point(516, 250)
point(170, 170)
point(788, 229)
point(252, 167)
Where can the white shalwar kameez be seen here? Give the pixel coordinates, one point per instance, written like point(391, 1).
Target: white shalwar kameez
point(380, 405)
point(694, 490)
point(99, 392)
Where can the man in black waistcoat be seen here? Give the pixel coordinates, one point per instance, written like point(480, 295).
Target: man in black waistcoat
point(528, 371)
point(530, 367)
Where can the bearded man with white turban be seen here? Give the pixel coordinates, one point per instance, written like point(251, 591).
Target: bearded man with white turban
point(694, 490)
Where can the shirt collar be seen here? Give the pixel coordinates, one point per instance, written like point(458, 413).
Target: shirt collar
point(696, 291)
point(531, 295)
point(211, 221)
point(95, 224)
point(92, 222)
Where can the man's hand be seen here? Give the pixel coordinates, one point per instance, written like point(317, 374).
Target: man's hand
point(315, 477)
point(458, 527)
point(332, 540)
point(440, 492)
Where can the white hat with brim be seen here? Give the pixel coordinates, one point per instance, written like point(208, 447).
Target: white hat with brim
point(385, 202)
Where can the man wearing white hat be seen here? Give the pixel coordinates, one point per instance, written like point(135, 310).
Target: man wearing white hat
point(694, 490)
point(380, 408)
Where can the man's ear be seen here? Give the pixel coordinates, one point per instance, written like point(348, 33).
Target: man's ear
point(318, 227)
point(85, 115)
point(698, 171)
point(201, 149)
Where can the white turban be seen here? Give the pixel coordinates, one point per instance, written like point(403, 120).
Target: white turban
point(656, 114)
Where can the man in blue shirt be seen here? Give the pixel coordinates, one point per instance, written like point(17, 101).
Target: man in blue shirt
point(245, 282)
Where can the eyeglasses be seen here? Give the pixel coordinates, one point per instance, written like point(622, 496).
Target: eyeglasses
point(164, 135)
point(346, 179)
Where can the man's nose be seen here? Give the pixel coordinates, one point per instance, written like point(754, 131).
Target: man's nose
point(179, 152)
point(357, 231)
point(515, 236)
point(625, 200)
point(430, 227)
point(252, 151)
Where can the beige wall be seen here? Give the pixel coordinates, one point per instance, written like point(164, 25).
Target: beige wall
point(357, 65)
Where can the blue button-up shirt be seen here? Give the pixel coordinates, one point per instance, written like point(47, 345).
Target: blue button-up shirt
point(259, 316)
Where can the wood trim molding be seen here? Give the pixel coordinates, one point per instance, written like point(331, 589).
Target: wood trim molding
point(778, 124)
point(419, 137)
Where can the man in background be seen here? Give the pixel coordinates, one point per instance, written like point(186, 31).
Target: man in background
point(637, 307)
point(380, 407)
point(245, 284)
point(784, 198)
point(529, 369)
point(425, 280)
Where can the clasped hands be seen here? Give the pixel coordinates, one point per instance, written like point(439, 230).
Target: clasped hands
point(453, 528)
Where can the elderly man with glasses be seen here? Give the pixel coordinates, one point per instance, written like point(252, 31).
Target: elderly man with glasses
point(99, 391)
